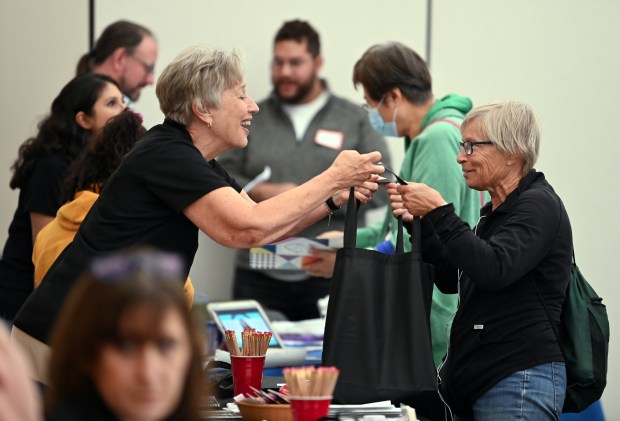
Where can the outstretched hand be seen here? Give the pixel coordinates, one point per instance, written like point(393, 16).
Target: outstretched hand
point(352, 169)
point(396, 203)
point(363, 192)
point(415, 198)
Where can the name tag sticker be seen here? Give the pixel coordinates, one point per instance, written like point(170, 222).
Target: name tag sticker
point(478, 327)
point(329, 138)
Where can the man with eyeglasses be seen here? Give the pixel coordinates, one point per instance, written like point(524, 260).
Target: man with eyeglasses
point(126, 52)
point(300, 129)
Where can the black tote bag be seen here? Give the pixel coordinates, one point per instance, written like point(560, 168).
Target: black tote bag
point(377, 330)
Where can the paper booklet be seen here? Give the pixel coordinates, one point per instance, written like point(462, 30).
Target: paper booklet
point(290, 254)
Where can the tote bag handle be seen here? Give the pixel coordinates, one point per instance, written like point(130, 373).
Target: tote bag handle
point(350, 227)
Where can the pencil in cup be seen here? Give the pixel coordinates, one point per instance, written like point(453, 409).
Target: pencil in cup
point(253, 343)
point(311, 381)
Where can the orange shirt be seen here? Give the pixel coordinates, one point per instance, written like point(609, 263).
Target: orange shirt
point(56, 235)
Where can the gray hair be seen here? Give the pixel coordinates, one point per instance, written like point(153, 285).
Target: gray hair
point(512, 126)
point(198, 73)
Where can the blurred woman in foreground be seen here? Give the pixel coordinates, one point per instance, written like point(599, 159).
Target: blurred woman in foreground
point(125, 347)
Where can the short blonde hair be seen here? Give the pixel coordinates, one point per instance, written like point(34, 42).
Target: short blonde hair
point(198, 73)
point(512, 126)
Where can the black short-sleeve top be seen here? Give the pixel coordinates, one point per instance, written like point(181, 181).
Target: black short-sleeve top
point(143, 201)
point(141, 205)
point(40, 193)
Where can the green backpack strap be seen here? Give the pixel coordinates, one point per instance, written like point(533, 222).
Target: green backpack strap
point(584, 341)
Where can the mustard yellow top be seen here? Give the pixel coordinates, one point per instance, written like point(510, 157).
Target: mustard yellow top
point(56, 235)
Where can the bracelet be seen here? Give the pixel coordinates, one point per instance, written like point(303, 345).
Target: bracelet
point(331, 208)
point(331, 205)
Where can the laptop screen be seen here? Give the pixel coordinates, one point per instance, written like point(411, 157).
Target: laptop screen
point(238, 319)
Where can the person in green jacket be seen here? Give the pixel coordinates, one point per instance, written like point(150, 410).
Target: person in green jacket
point(398, 91)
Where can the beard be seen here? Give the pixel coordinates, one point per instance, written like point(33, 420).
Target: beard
point(132, 94)
point(303, 90)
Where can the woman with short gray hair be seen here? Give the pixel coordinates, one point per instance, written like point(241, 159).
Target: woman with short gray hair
point(197, 74)
point(513, 128)
point(511, 272)
point(170, 185)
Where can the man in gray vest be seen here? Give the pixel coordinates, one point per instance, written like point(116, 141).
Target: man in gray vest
point(300, 129)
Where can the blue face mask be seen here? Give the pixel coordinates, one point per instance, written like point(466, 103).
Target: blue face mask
point(376, 121)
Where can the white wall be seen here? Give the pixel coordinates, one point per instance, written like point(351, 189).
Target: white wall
point(561, 56)
point(40, 43)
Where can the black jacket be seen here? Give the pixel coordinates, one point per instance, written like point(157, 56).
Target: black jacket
point(500, 326)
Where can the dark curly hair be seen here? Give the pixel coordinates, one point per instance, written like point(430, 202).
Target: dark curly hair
point(98, 161)
point(59, 132)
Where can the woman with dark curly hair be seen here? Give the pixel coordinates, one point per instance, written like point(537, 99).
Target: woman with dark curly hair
point(82, 108)
point(86, 176)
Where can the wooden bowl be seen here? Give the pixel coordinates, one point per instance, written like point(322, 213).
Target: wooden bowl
point(264, 411)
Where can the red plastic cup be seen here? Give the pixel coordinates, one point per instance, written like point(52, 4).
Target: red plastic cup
point(309, 408)
point(247, 372)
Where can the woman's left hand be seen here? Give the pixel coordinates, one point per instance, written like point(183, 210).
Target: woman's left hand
point(363, 193)
point(323, 266)
point(419, 199)
point(396, 203)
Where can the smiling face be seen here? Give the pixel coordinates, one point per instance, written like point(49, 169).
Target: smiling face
point(232, 119)
point(108, 104)
point(294, 71)
point(140, 377)
point(486, 168)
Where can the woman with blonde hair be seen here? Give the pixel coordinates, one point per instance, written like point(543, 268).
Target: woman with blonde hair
point(170, 185)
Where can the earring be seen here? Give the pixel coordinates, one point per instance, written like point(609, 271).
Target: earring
point(208, 125)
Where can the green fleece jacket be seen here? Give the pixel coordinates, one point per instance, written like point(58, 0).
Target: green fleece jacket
point(430, 158)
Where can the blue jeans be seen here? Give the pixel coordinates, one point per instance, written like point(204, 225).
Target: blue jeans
point(534, 394)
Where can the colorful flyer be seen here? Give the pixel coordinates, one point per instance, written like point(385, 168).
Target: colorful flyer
point(290, 254)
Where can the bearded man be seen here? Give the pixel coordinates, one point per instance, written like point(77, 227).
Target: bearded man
point(300, 129)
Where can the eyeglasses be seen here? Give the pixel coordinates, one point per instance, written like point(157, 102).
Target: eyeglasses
point(157, 265)
point(148, 67)
point(469, 146)
point(368, 108)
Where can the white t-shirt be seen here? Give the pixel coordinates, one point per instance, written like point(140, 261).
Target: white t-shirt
point(302, 114)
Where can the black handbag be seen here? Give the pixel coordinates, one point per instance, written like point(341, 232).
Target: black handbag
point(377, 330)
